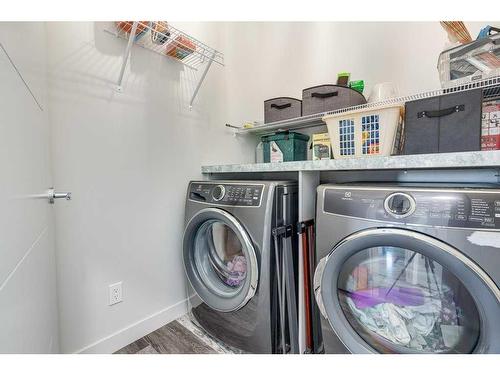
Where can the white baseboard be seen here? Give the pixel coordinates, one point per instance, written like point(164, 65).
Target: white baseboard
point(135, 331)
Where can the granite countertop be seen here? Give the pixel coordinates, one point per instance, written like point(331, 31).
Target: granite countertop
point(474, 159)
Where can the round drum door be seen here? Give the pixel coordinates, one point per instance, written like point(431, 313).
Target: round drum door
point(220, 260)
point(397, 291)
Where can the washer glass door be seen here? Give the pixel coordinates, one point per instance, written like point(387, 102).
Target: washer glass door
point(220, 260)
point(219, 257)
point(392, 290)
point(398, 299)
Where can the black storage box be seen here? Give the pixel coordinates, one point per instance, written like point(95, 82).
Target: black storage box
point(446, 123)
point(325, 98)
point(278, 109)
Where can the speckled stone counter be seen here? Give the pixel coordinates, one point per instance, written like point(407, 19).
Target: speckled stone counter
point(476, 159)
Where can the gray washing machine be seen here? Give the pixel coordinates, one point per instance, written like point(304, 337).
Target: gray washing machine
point(408, 269)
point(229, 259)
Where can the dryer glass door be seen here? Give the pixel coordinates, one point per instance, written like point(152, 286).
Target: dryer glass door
point(220, 260)
point(399, 299)
point(407, 293)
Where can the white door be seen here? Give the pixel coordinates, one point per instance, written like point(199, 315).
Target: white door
point(28, 295)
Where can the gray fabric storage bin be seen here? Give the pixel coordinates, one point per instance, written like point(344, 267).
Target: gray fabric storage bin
point(446, 123)
point(325, 98)
point(278, 109)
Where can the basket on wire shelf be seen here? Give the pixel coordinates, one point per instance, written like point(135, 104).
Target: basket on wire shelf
point(364, 132)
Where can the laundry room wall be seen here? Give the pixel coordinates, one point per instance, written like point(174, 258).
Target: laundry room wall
point(28, 293)
point(127, 158)
point(272, 59)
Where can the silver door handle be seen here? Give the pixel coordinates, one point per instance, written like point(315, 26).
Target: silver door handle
point(53, 195)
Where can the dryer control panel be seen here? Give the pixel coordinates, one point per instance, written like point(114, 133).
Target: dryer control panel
point(224, 194)
point(455, 208)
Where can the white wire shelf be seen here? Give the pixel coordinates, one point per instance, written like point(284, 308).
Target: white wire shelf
point(164, 39)
point(491, 89)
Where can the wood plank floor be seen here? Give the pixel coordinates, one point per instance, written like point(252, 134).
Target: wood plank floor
point(173, 338)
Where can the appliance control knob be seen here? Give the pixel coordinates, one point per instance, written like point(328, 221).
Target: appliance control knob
point(218, 192)
point(400, 205)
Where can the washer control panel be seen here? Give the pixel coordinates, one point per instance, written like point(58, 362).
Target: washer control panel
point(224, 194)
point(399, 205)
point(455, 208)
point(218, 192)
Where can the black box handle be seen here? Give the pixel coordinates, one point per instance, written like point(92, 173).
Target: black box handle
point(323, 95)
point(282, 106)
point(441, 112)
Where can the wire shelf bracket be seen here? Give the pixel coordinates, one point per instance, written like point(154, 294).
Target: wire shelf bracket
point(193, 53)
point(200, 81)
point(126, 57)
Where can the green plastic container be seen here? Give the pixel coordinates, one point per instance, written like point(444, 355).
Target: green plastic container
point(357, 85)
point(285, 146)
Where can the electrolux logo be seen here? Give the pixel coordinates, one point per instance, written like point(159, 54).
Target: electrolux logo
point(347, 195)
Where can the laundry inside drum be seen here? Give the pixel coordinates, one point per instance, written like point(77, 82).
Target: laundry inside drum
point(226, 255)
point(401, 301)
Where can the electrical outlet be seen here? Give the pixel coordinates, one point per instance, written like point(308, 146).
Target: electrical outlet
point(115, 293)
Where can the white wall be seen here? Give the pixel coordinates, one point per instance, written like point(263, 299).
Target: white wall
point(267, 60)
point(28, 298)
point(128, 157)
